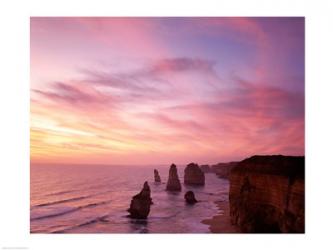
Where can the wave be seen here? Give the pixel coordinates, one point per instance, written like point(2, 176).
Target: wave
point(61, 201)
point(55, 214)
point(150, 218)
point(69, 200)
point(84, 188)
point(90, 205)
point(63, 192)
point(165, 217)
point(89, 222)
point(96, 204)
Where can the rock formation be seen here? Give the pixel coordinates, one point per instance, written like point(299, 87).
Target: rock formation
point(140, 204)
point(222, 170)
point(157, 176)
point(206, 169)
point(193, 175)
point(267, 194)
point(173, 180)
point(190, 198)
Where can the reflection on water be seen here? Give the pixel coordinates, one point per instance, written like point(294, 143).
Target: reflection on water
point(94, 199)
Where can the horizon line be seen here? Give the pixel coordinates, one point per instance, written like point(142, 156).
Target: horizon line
point(154, 164)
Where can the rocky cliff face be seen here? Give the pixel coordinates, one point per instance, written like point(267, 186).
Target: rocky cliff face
point(173, 180)
point(267, 194)
point(193, 175)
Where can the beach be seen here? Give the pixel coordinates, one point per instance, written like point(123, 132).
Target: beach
point(220, 223)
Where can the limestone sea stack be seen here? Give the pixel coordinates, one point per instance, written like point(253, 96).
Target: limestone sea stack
point(190, 197)
point(267, 194)
point(140, 204)
point(193, 175)
point(157, 176)
point(173, 180)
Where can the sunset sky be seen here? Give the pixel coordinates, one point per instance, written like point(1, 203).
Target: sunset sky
point(163, 90)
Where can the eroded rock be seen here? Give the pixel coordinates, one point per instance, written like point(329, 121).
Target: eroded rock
point(193, 175)
point(190, 197)
point(140, 204)
point(206, 168)
point(157, 177)
point(173, 180)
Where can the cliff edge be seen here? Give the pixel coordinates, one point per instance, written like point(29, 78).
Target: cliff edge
point(267, 194)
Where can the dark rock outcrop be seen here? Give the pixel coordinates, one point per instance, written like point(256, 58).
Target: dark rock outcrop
point(190, 198)
point(157, 177)
point(267, 194)
point(222, 170)
point(173, 180)
point(140, 204)
point(206, 169)
point(193, 175)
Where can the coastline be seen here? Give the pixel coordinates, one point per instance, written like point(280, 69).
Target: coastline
point(221, 223)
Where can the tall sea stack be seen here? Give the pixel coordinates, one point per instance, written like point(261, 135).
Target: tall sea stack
point(140, 204)
point(173, 180)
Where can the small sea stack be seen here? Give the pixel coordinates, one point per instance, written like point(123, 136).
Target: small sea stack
point(157, 177)
point(173, 180)
point(140, 204)
point(193, 175)
point(190, 198)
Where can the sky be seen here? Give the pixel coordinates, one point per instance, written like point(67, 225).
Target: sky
point(162, 90)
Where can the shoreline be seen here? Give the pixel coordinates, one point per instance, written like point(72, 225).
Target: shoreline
point(221, 223)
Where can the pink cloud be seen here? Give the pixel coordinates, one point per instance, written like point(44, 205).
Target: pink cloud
point(230, 122)
point(130, 35)
point(148, 104)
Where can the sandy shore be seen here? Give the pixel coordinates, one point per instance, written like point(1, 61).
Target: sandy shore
point(221, 223)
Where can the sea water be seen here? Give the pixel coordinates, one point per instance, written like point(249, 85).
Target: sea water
point(94, 199)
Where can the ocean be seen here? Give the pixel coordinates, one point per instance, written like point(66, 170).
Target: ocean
point(94, 199)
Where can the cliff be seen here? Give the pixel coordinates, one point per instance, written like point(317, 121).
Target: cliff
point(222, 170)
point(267, 194)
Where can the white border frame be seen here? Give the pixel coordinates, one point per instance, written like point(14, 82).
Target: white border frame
point(14, 51)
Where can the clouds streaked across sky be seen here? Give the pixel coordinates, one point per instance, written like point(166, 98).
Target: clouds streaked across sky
point(162, 90)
